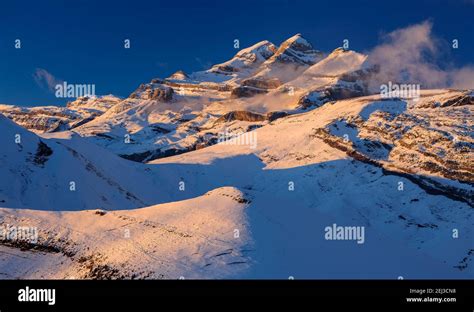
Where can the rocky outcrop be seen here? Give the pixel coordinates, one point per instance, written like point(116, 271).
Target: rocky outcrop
point(42, 154)
point(153, 91)
point(317, 98)
point(245, 91)
point(242, 116)
point(271, 116)
point(459, 100)
point(54, 118)
point(260, 83)
point(430, 185)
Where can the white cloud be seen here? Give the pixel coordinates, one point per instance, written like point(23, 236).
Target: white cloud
point(412, 55)
point(45, 79)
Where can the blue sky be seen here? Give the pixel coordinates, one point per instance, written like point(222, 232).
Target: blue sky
point(82, 41)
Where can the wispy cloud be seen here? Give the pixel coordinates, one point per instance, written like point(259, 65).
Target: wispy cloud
point(45, 79)
point(413, 55)
point(203, 64)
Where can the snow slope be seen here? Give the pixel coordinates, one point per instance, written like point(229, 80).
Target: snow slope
point(408, 232)
point(188, 239)
point(37, 173)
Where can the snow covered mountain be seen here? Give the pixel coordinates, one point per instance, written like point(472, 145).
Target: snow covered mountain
point(305, 175)
point(63, 172)
point(53, 119)
point(191, 239)
point(237, 171)
point(183, 112)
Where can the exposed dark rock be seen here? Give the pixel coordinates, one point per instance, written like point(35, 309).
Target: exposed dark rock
point(159, 129)
point(82, 122)
point(336, 93)
point(276, 115)
point(164, 94)
point(464, 263)
point(42, 153)
point(153, 91)
point(25, 245)
point(461, 100)
point(245, 91)
point(156, 154)
point(227, 68)
point(138, 157)
point(340, 93)
point(242, 116)
point(271, 83)
point(429, 185)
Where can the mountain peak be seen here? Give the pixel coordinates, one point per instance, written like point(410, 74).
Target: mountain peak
point(264, 48)
point(297, 43)
point(296, 49)
point(341, 53)
point(250, 57)
point(179, 75)
point(339, 50)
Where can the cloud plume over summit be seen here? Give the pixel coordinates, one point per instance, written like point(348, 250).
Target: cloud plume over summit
point(413, 55)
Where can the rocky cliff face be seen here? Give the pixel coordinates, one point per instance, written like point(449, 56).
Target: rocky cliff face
point(54, 119)
point(153, 91)
point(430, 145)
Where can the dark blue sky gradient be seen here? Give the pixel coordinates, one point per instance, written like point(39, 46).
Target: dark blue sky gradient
point(82, 41)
